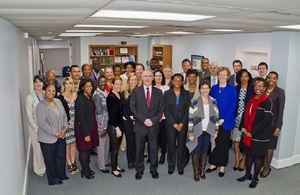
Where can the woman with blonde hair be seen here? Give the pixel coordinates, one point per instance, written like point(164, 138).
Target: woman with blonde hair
point(68, 97)
point(128, 119)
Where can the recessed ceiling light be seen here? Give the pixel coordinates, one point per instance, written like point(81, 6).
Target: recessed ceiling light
point(149, 15)
point(181, 33)
point(223, 30)
point(92, 31)
point(296, 27)
point(79, 34)
point(108, 26)
point(57, 39)
point(146, 35)
point(47, 38)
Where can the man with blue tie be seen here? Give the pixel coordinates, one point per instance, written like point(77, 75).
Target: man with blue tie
point(236, 65)
point(213, 78)
point(146, 104)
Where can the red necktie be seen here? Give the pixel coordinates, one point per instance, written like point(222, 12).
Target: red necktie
point(148, 99)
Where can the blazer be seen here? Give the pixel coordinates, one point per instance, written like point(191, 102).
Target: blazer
point(177, 113)
point(231, 80)
point(49, 122)
point(209, 79)
point(141, 112)
point(127, 114)
point(278, 98)
point(30, 105)
point(84, 114)
point(115, 110)
point(203, 74)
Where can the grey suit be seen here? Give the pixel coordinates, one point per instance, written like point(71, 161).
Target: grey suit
point(141, 112)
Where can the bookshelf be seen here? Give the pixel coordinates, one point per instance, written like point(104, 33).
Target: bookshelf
point(113, 54)
point(163, 53)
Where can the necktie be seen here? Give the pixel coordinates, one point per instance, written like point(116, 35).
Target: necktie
point(214, 81)
point(148, 99)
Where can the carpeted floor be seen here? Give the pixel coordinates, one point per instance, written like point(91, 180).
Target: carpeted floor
point(284, 181)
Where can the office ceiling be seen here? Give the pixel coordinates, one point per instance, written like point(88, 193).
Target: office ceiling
point(50, 18)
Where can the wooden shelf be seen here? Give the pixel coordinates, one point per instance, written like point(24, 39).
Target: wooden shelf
point(163, 53)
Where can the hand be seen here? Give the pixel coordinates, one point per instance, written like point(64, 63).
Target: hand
point(148, 122)
point(247, 134)
point(216, 135)
point(87, 138)
point(71, 122)
point(118, 132)
point(276, 132)
point(176, 126)
point(221, 121)
point(103, 133)
point(180, 127)
point(192, 138)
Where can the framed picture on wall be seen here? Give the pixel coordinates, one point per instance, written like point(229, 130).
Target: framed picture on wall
point(196, 62)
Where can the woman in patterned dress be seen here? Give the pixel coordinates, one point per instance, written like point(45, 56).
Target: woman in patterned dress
point(67, 97)
point(244, 91)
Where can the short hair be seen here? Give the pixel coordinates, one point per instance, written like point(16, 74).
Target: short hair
point(130, 63)
point(263, 64)
point(115, 79)
point(73, 66)
point(262, 80)
point(48, 72)
point(38, 77)
point(186, 60)
point(273, 72)
point(239, 76)
point(116, 66)
point(154, 59)
point(163, 82)
point(140, 64)
point(237, 61)
point(84, 65)
point(205, 59)
point(63, 89)
point(191, 71)
point(222, 68)
point(177, 75)
point(95, 61)
point(204, 82)
point(83, 82)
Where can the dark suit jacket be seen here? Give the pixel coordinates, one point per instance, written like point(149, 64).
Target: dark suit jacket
point(231, 80)
point(209, 79)
point(278, 98)
point(84, 114)
point(141, 112)
point(177, 114)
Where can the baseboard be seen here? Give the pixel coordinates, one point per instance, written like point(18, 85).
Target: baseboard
point(25, 185)
point(278, 164)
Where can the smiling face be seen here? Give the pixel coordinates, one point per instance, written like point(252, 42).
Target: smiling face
point(147, 78)
point(223, 76)
point(109, 74)
point(259, 88)
point(75, 73)
point(204, 64)
point(262, 71)
point(68, 86)
point(132, 81)
point(186, 65)
point(139, 70)
point(117, 85)
point(87, 89)
point(129, 69)
point(192, 79)
point(167, 72)
point(272, 80)
point(50, 77)
point(102, 83)
point(204, 90)
point(177, 82)
point(117, 71)
point(245, 78)
point(50, 93)
point(158, 78)
point(38, 85)
point(236, 67)
point(86, 70)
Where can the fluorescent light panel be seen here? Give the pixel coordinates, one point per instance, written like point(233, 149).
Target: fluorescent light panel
point(181, 33)
point(108, 26)
point(149, 15)
point(296, 27)
point(79, 34)
point(224, 30)
point(91, 31)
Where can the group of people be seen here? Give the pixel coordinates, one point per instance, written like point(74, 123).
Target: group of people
point(183, 114)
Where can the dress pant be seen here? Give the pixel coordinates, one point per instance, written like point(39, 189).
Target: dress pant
point(38, 160)
point(114, 146)
point(162, 136)
point(55, 160)
point(176, 152)
point(153, 151)
point(130, 141)
point(103, 151)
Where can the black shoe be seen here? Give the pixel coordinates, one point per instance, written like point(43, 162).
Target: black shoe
point(105, 171)
point(235, 168)
point(162, 159)
point(92, 172)
point(264, 176)
point(64, 178)
point(244, 178)
point(118, 175)
point(108, 165)
point(241, 169)
point(121, 170)
point(59, 183)
point(170, 172)
point(209, 170)
point(180, 172)
point(253, 184)
point(86, 175)
point(221, 174)
point(154, 174)
point(138, 176)
point(130, 165)
point(94, 153)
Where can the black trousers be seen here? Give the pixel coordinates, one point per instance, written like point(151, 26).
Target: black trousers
point(55, 160)
point(162, 136)
point(130, 141)
point(176, 152)
point(140, 147)
point(114, 145)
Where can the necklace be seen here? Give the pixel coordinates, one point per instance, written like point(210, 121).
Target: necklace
point(221, 89)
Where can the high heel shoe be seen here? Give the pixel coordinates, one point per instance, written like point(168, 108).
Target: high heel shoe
point(209, 170)
point(264, 176)
point(235, 168)
point(120, 170)
point(253, 184)
point(244, 178)
point(118, 176)
point(86, 175)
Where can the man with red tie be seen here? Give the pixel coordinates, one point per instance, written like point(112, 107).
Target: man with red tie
point(146, 104)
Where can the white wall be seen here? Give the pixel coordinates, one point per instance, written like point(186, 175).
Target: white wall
point(15, 85)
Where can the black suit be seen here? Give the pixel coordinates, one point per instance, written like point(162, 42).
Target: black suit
point(176, 114)
point(141, 112)
point(209, 79)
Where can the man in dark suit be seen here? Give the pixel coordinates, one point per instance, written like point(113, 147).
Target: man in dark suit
point(213, 70)
point(146, 104)
point(236, 65)
point(205, 69)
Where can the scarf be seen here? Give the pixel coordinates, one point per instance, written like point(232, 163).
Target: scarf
point(250, 113)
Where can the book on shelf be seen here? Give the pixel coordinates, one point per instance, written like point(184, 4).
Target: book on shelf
point(125, 59)
point(123, 50)
point(132, 58)
point(118, 59)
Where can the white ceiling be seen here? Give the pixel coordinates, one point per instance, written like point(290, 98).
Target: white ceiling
point(50, 18)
